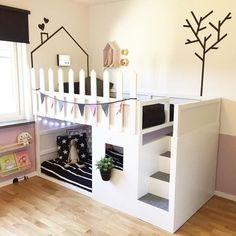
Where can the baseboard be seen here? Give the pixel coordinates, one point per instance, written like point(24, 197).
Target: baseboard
point(8, 182)
point(225, 195)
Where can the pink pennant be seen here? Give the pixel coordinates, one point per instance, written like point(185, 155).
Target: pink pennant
point(93, 109)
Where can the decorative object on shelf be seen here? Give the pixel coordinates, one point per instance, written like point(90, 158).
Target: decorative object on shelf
point(24, 138)
point(111, 55)
point(105, 166)
point(124, 61)
point(203, 42)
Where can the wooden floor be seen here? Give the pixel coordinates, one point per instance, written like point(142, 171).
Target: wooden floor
point(38, 207)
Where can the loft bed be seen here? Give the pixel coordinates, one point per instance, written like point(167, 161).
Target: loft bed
point(166, 160)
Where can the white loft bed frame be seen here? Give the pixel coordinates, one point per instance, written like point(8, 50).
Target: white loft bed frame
point(193, 147)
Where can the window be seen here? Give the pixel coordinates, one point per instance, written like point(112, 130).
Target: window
point(12, 84)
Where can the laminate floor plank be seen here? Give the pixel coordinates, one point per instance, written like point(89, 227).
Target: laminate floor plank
point(39, 207)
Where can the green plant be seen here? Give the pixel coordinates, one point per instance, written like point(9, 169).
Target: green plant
point(105, 164)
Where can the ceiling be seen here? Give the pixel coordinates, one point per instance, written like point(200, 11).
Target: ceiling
point(93, 2)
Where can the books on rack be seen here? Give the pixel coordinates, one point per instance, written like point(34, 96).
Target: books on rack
point(14, 162)
point(22, 159)
point(8, 164)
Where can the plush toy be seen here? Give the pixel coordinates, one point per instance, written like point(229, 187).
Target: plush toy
point(73, 157)
point(24, 138)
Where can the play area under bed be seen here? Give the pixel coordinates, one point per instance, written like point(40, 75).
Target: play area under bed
point(79, 177)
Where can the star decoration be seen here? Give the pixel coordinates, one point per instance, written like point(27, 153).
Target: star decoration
point(63, 141)
point(82, 145)
point(65, 151)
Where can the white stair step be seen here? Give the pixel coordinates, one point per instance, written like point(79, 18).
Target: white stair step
point(159, 184)
point(155, 201)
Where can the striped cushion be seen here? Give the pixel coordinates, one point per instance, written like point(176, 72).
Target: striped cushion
point(117, 158)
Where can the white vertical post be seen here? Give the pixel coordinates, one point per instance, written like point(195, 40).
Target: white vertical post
point(133, 85)
point(42, 90)
point(133, 103)
point(81, 100)
point(119, 96)
point(60, 114)
point(34, 92)
point(106, 97)
point(51, 100)
point(71, 99)
point(119, 85)
point(94, 93)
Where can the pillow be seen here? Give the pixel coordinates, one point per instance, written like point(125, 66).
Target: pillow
point(83, 129)
point(63, 145)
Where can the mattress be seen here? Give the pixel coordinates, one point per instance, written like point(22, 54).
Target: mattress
point(79, 177)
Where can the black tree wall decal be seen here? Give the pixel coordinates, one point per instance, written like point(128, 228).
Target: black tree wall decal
point(204, 41)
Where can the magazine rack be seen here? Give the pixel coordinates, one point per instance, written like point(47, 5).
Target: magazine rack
point(14, 158)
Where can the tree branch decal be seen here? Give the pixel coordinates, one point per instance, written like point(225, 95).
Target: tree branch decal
point(204, 41)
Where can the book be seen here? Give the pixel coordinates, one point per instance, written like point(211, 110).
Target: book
point(22, 159)
point(8, 164)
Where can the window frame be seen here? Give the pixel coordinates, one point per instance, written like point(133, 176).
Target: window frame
point(22, 83)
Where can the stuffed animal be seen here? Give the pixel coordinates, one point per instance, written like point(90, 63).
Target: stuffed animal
point(73, 157)
point(24, 138)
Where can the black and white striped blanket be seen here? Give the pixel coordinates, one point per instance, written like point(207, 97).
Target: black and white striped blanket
point(79, 177)
point(117, 158)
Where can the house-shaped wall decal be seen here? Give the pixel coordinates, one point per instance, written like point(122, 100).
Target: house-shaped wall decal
point(111, 55)
point(43, 42)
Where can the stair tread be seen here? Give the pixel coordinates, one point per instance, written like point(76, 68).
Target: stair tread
point(155, 201)
point(166, 154)
point(161, 176)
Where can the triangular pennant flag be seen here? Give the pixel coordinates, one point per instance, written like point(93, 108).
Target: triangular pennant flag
point(120, 106)
point(51, 102)
point(72, 108)
point(93, 109)
point(81, 108)
point(61, 104)
point(105, 108)
point(42, 96)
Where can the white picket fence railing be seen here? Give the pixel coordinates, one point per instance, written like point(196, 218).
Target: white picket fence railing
point(52, 102)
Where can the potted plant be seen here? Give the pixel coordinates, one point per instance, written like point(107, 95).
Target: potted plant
point(105, 166)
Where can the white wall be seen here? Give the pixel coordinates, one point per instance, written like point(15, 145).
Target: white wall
point(68, 13)
point(153, 32)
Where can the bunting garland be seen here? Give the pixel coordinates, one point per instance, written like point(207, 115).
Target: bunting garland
point(92, 106)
